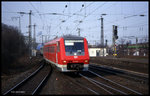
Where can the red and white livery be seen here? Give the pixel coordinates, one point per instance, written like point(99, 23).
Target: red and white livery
point(67, 53)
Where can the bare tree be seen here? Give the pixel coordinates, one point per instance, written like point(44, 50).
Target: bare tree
point(13, 46)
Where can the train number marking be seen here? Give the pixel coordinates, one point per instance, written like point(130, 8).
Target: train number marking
point(75, 56)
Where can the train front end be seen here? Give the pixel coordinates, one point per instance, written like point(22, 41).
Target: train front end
point(75, 56)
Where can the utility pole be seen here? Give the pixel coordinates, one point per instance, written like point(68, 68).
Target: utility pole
point(30, 13)
point(102, 35)
point(45, 38)
point(136, 46)
point(33, 40)
point(106, 45)
point(30, 46)
point(102, 32)
point(34, 36)
point(19, 24)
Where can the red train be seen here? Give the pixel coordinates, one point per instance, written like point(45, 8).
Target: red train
point(68, 53)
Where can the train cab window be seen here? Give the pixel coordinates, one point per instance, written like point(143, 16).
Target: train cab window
point(58, 46)
point(74, 47)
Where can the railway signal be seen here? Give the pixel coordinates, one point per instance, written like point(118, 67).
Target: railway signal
point(115, 37)
point(115, 33)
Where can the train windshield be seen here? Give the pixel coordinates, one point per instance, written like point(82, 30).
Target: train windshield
point(74, 47)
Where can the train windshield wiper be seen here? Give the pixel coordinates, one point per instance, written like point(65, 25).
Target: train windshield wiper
point(71, 50)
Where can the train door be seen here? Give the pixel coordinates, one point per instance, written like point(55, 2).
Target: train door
point(57, 51)
point(56, 58)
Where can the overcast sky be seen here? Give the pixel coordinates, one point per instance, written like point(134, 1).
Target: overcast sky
point(83, 15)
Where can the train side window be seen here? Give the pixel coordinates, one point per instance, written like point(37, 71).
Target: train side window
point(50, 49)
point(58, 46)
point(53, 49)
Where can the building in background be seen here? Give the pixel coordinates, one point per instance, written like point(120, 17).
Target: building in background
point(140, 49)
point(96, 52)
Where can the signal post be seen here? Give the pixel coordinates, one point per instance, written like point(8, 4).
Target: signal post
point(115, 37)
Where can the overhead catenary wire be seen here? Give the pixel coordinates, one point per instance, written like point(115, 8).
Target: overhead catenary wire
point(93, 11)
point(97, 8)
point(71, 25)
point(45, 23)
point(72, 16)
point(59, 14)
point(109, 22)
point(36, 11)
point(100, 14)
point(130, 26)
point(88, 15)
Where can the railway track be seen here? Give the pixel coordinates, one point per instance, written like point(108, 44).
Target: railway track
point(80, 84)
point(92, 81)
point(101, 85)
point(32, 84)
point(121, 73)
point(107, 86)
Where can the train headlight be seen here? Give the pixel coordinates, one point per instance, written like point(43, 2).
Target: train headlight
point(64, 61)
point(86, 61)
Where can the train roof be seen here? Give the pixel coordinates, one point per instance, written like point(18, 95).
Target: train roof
point(72, 37)
point(65, 37)
point(52, 41)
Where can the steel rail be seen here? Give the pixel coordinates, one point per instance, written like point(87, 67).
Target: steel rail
point(115, 83)
point(40, 84)
point(112, 71)
point(122, 70)
point(92, 81)
point(89, 89)
point(83, 86)
point(23, 80)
